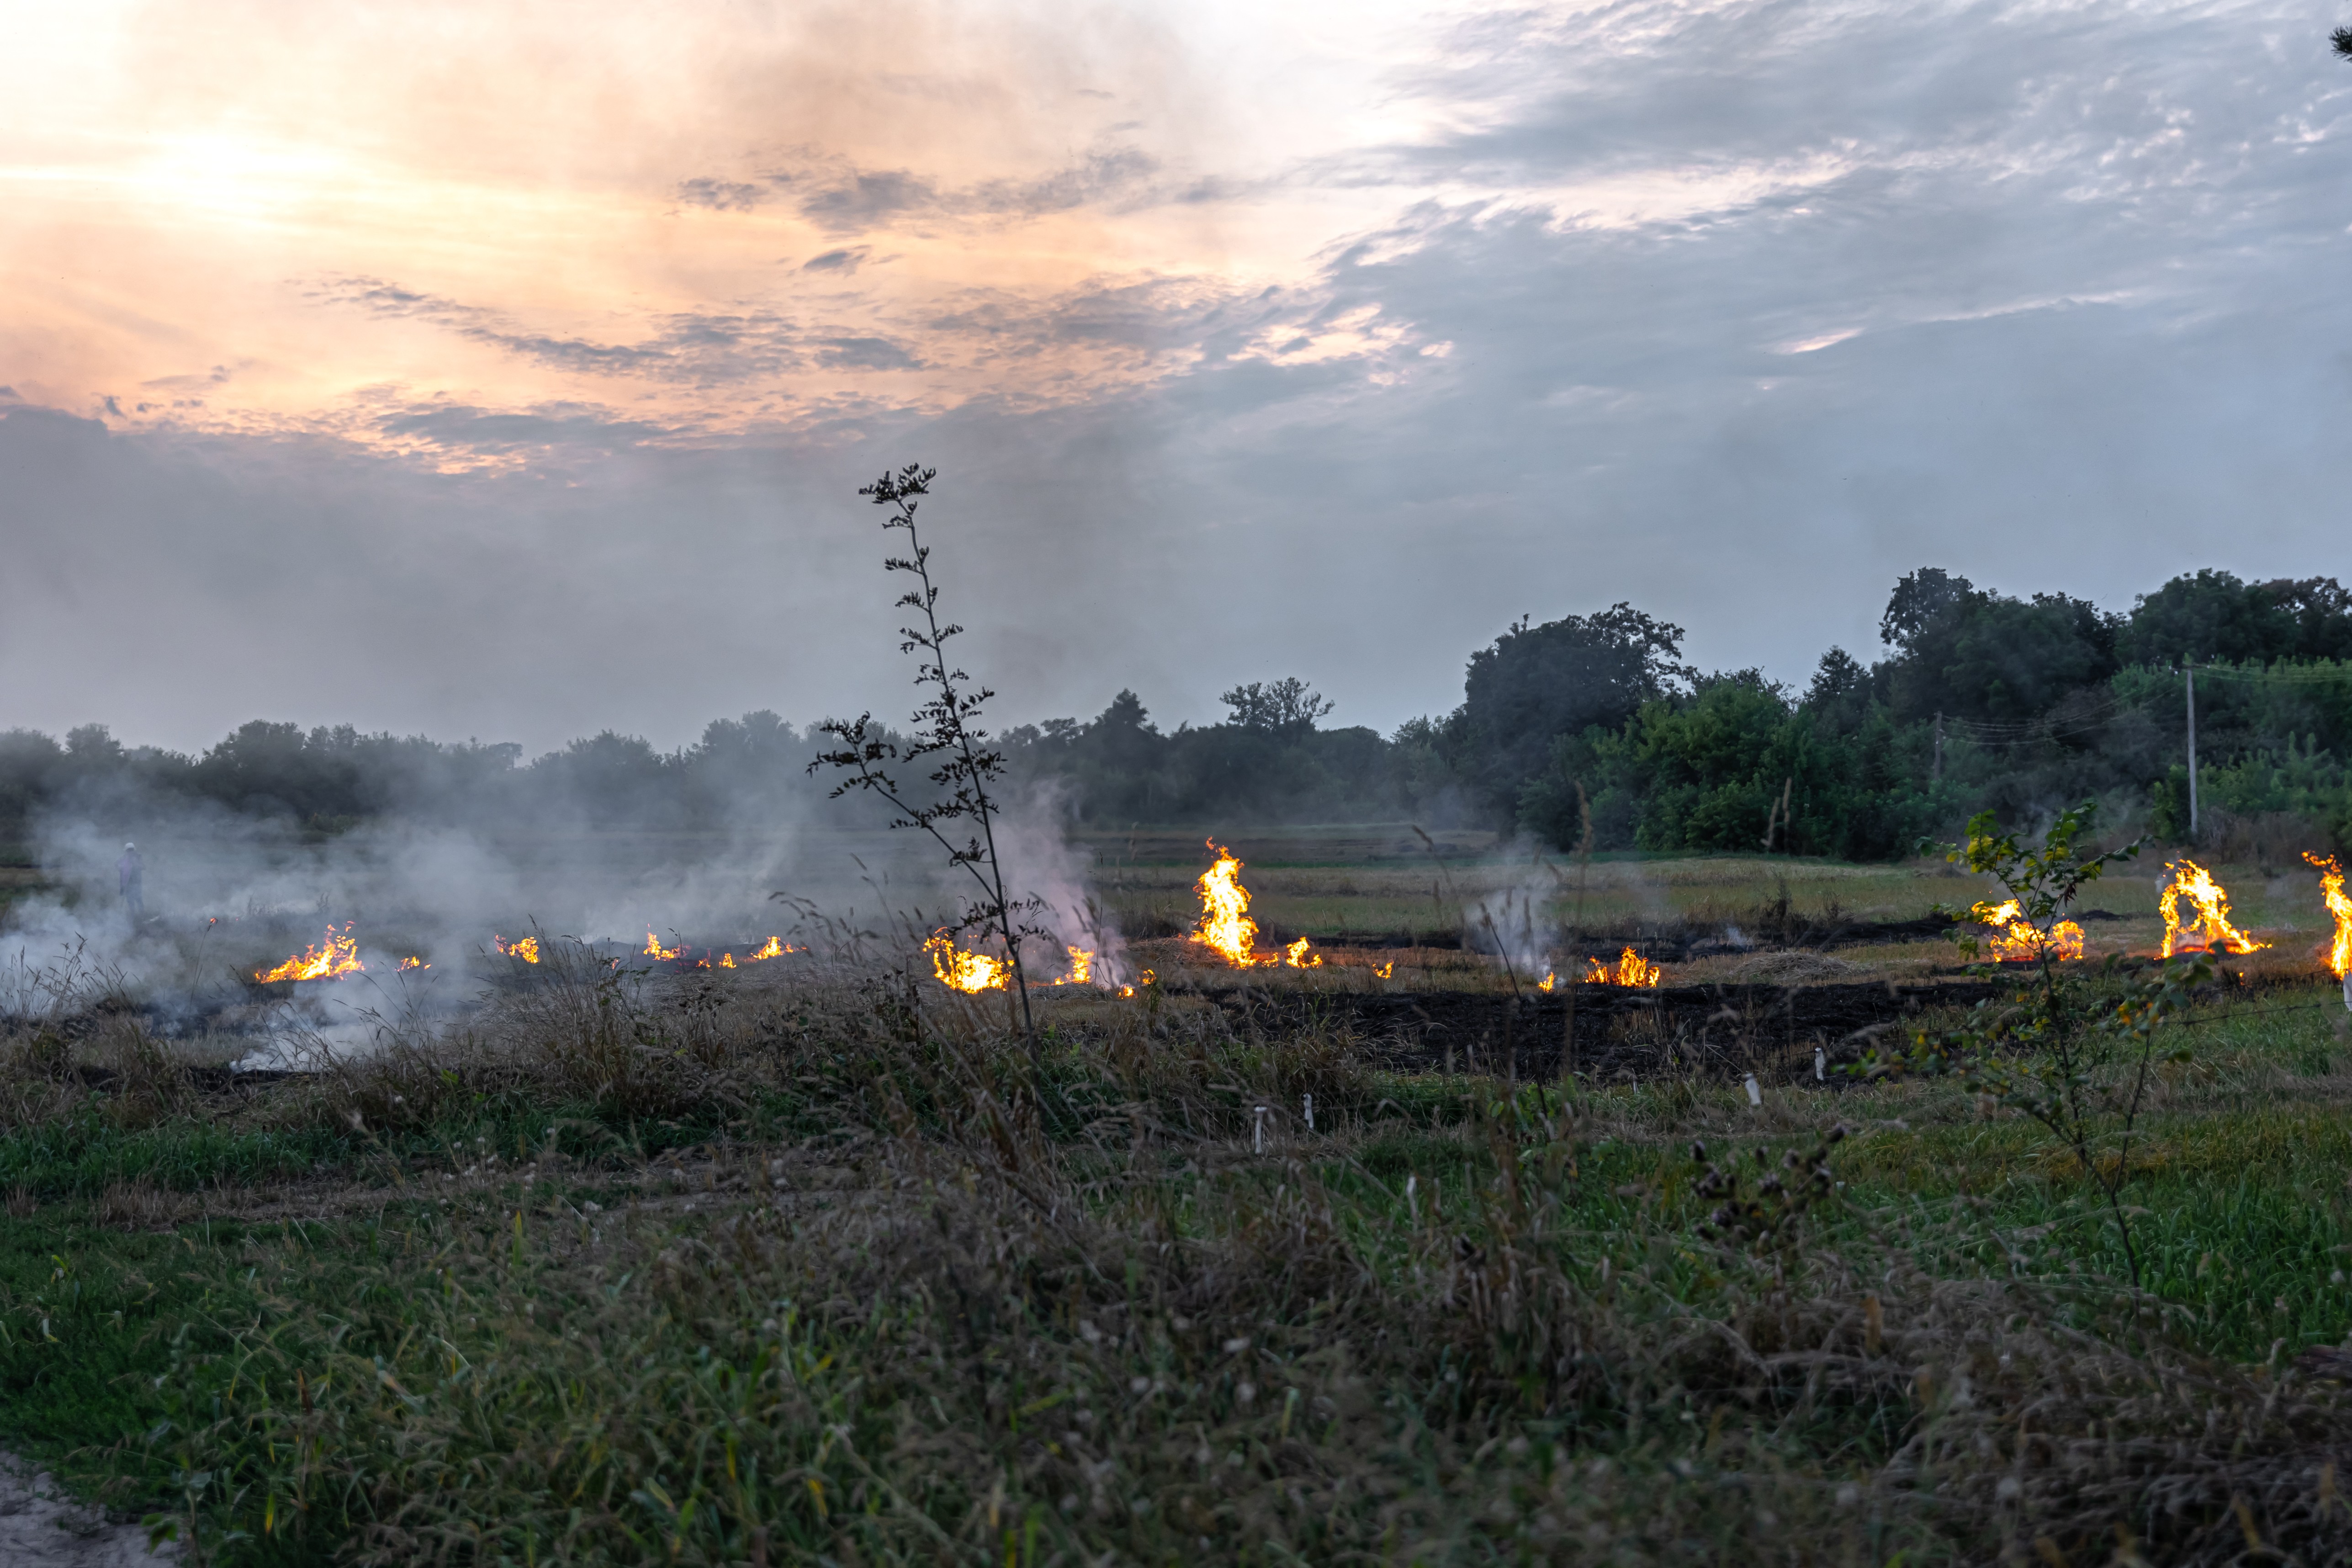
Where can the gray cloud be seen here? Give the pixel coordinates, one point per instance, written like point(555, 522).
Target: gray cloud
point(867, 354)
point(850, 200)
point(845, 261)
point(700, 348)
point(720, 195)
point(485, 432)
point(866, 199)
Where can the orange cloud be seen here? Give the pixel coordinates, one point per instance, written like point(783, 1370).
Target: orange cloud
point(262, 217)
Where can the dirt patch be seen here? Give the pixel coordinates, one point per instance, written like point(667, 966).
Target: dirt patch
point(41, 1527)
point(1723, 1030)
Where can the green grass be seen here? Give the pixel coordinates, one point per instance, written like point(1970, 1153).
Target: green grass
point(933, 1299)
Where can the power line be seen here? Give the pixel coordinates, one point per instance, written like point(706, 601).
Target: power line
point(2339, 676)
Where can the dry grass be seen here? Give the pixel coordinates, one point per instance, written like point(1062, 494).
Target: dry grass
point(985, 1310)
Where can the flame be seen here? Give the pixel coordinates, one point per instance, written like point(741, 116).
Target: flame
point(961, 970)
point(1224, 923)
point(2210, 929)
point(1386, 970)
point(414, 963)
point(527, 949)
point(1548, 982)
point(339, 957)
point(775, 949)
point(2021, 942)
point(1632, 969)
point(654, 949)
point(1082, 968)
point(727, 961)
point(2331, 888)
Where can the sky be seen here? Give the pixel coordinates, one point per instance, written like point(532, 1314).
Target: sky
point(510, 371)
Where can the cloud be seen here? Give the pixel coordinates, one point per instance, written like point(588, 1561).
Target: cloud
point(847, 199)
point(846, 261)
point(485, 432)
point(1738, 311)
point(720, 195)
point(867, 354)
point(702, 347)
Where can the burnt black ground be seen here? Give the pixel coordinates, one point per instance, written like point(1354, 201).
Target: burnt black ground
point(1619, 1032)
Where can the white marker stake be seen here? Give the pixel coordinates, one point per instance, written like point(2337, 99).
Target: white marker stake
point(1755, 1092)
point(1820, 1065)
point(1309, 1101)
point(1257, 1132)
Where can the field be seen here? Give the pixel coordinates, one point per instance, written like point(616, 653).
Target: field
point(820, 1262)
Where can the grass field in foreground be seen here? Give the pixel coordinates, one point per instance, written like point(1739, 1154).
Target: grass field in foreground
point(646, 1270)
point(825, 1266)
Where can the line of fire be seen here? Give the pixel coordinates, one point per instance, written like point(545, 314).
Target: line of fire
point(2194, 905)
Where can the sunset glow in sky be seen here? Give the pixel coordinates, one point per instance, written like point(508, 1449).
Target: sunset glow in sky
point(350, 354)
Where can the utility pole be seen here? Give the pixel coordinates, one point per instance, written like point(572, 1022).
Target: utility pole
point(2191, 670)
point(1940, 745)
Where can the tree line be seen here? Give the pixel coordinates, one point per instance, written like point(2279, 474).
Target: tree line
point(1596, 723)
point(1589, 723)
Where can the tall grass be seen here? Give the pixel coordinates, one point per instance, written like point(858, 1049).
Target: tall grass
point(683, 1270)
point(916, 1295)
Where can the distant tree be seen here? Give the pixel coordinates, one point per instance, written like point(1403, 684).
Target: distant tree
point(1285, 706)
point(611, 779)
point(1840, 694)
point(1965, 653)
point(1123, 735)
point(1536, 683)
point(2211, 614)
point(1919, 601)
point(93, 746)
point(2342, 39)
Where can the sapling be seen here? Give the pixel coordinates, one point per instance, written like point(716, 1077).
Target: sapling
point(2048, 1055)
point(944, 729)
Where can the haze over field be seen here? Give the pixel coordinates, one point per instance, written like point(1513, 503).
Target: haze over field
point(508, 371)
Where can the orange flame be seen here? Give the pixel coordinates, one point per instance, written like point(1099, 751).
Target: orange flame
point(775, 949)
point(2209, 929)
point(961, 970)
point(1082, 968)
point(1632, 969)
point(1386, 970)
point(339, 957)
point(414, 963)
point(2331, 888)
point(2021, 942)
point(1224, 923)
point(1548, 982)
point(654, 949)
point(727, 961)
point(527, 949)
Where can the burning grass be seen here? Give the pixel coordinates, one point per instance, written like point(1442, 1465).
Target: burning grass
point(818, 1261)
point(673, 1265)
